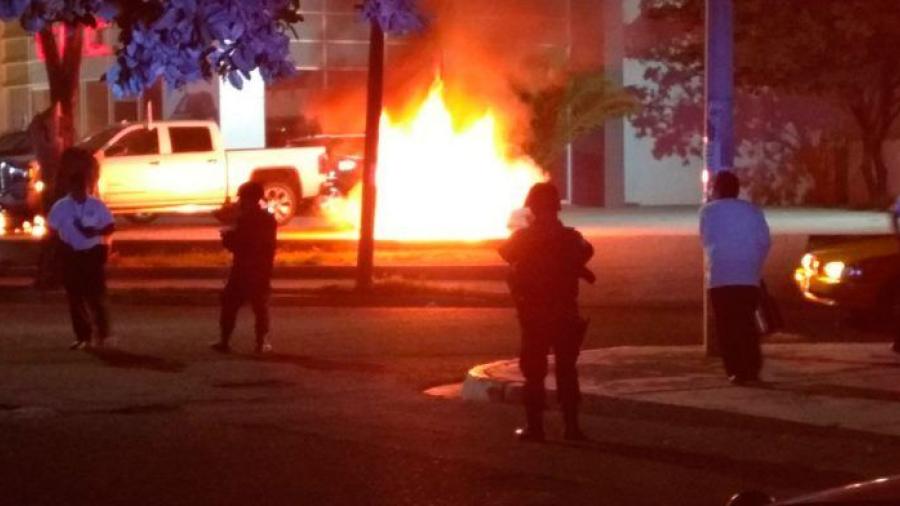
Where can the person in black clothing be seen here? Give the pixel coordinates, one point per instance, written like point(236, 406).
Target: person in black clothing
point(547, 260)
point(252, 242)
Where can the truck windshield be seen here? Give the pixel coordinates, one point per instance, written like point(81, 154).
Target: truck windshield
point(95, 142)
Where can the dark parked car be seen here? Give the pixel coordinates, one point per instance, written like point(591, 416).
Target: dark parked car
point(860, 275)
point(19, 186)
point(881, 491)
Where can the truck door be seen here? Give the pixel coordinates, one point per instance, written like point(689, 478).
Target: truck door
point(127, 169)
point(194, 165)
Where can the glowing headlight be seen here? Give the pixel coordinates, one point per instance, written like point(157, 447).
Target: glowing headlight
point(346, 165)
point(808, 262)
point(834, 271)
point(12, 170)
point(39, 228)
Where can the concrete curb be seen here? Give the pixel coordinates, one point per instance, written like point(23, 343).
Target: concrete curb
point(853, 386)
point(481, 385)
point(495, 273)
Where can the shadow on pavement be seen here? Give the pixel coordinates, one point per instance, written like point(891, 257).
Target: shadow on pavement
point(777, 474)
point(118, 358)
point(318, 364)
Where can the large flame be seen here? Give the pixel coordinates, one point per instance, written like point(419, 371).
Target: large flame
point(439, 182)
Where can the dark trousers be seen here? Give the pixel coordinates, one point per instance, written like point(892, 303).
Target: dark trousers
point(563, 335)
point(84, 280)
point(235, 295)
point(734, 310)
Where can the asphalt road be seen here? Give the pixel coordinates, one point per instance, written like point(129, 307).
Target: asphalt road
point(338, 416)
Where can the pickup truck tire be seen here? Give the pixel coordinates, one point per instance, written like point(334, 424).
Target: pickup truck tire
point(141, 218)
point(282, 199)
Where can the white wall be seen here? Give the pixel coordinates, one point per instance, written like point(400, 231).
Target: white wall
point(650, 180)
point(242, 113)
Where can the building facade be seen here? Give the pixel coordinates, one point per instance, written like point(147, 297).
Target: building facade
point(611, 167)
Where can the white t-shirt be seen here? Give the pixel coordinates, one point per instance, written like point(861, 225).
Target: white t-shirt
point(735, 240)
point(92, 212)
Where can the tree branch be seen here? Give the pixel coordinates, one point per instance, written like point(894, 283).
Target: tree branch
point(71, 63)
point(52, 61)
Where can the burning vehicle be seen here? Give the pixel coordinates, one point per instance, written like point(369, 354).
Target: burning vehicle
point(342, 164)
point(445, 172)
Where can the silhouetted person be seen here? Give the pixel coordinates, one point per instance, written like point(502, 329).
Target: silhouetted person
point(83, 223)
point(547, 259)
point(252, 243)
point(736, 241)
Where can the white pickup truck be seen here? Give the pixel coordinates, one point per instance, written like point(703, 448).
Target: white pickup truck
point(182, 167)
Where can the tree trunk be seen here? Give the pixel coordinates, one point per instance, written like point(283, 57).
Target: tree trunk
point(868, 175)
point(366, 253)
point(53, 131)
point(841, 173)
point(879, 167)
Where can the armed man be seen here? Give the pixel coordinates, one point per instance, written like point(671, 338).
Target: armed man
point(547, 260)
point(252, 241)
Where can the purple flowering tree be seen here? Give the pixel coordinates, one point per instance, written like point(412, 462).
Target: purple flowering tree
point(175, 40)
point(395, 17)
point(178, 41)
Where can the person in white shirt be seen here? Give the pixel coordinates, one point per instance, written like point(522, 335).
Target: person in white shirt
point(736, 242)
point(83, 224)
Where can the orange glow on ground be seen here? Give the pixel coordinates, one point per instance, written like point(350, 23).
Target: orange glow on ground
point(441, 182)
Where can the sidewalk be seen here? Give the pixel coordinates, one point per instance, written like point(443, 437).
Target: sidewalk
point(851, 386)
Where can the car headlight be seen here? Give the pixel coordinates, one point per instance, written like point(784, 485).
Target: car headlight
point(346, 165)
point(13, 171)
point(809, 262)
point(834, 271)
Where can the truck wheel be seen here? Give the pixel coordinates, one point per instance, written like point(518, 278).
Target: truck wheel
point(281, 199)
point(141, 218)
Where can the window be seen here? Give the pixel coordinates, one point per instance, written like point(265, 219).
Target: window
point(152, 97)
point(190, 139)
point(140, 142)
point(125, 110)
point(96, 106)
point(17, 112)
point(287, 103)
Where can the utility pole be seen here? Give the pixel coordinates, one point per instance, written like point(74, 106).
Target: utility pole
point(366, 249)
point(719, 116)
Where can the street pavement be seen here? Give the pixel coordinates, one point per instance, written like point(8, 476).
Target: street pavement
point(338, 416)
point(853, 386)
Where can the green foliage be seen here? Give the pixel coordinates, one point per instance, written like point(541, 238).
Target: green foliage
point(843, 52)
point(564, 112)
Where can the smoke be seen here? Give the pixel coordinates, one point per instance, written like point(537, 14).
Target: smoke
point(484, 51)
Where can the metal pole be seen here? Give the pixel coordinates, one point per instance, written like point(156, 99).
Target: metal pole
point(719, 114)
point(366, 251)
